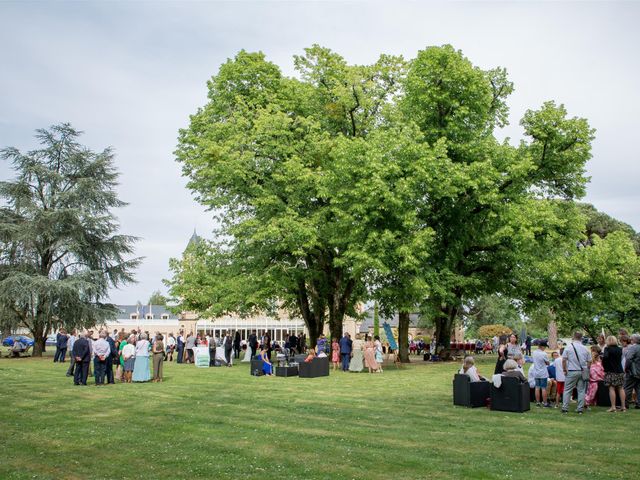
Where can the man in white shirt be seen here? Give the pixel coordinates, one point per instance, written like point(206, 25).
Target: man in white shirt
point(101, 350)
point(575, 359)
point(540, 373)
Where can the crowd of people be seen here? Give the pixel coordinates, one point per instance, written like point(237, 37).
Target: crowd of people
point(614, 360)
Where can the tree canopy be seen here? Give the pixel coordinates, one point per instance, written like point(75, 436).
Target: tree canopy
point(59, 247)
point(382, 181)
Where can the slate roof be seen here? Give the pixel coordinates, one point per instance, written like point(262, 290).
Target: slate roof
point(367, 323)
point(125, 311)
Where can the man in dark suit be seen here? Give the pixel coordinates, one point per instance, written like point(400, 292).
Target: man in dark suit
point(228, 347)
point(112, 359)
point(253, 343)
point(62, 340)
point(293, 344)
point(82, 354)
point(180, 343)
point(345, 350)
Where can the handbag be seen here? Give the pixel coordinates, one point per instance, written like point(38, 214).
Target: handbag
point(584, 371)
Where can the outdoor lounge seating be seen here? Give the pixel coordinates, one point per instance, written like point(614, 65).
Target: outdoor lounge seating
point(512, 396)
point(318, 367)
point(469, 394)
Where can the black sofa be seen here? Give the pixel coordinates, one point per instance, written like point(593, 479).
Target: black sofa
point(512, 396)
point(318, 367)
point(469, 394)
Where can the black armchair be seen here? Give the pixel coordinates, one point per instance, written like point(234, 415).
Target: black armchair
point(469, 394)
point(512, 396)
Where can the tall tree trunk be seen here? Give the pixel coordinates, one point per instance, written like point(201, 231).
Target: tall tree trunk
point(403, 336)
point(552, 330)
point(376, 320)
point(444, 325)
point(39, 337)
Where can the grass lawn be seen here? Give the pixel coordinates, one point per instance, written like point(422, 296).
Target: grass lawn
point(224, 423)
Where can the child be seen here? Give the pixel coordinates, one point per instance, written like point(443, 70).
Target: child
point(557, 362)
point(596, 374)
point(540, 373)
point(335, 353)
point(129, 357)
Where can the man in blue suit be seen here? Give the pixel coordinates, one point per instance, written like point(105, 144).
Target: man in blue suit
point(346, 346)
point(180, 346)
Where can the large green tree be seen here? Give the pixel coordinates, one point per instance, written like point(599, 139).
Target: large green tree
point(500, 204)
point(60, 252)
point(262, 155)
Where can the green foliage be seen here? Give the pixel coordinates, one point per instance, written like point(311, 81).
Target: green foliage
point(488, 310)
point(490, 331)
point(157, 298)
point(59, 247)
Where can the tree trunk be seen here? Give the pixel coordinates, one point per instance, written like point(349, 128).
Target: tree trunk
point(39, 337)
point(552, 330)
point(444, 324)
point(403, 336)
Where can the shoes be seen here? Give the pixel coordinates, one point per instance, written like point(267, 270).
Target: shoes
point(538, 404)
point(547, 405)
point(580, 412)
point(565, 411)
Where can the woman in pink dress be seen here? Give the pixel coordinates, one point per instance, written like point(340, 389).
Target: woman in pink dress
point(370, 355)
point(596, 374)
point(335, 353)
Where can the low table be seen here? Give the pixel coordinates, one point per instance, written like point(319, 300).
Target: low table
point(290, 371)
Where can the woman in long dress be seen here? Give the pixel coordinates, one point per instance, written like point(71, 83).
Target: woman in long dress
point(356, 364)
point(370, 355)
point(378, 344)
point(141, 371)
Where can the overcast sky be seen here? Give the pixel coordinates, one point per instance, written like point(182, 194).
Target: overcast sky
point(130, 73)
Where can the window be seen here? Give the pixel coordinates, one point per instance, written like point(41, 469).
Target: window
point(149, 316)
point(133, 316)
point(164, 316)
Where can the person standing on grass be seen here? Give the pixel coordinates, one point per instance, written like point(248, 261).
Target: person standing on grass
point(190, 345)
point(596, 374)
point(512, 347)
point(101, 351)
point(335, 353)
point(112, 359)
point(228, 348)
point(82, 355)
point(557, 362)
point(502, 355)
point(632, 371)
point(158, 358)
point(180, 347)
point(575, 363)
point(236, 345)
point(613, 373)
point(62, 340)
point(540, 373)
point(72, 360)
point(141, 371)
point(171, 346)
point(345, 350)
point(128, 358)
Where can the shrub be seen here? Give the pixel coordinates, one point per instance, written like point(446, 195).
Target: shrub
point(493, 330)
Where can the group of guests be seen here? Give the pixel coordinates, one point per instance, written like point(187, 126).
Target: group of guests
point(129, 354)
point(614, 361)
point(354, 355)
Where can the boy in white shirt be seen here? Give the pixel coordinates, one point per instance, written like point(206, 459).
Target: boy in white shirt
point(557, 362)
point(540, 373)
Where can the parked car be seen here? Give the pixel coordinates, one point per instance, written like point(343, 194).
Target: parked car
point(8, 341)
point(51, 340)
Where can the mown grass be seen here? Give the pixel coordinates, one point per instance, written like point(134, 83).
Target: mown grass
point(224, 423)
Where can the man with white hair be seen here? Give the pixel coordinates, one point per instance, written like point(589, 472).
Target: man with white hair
point(632, 370)
point(101, 351)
